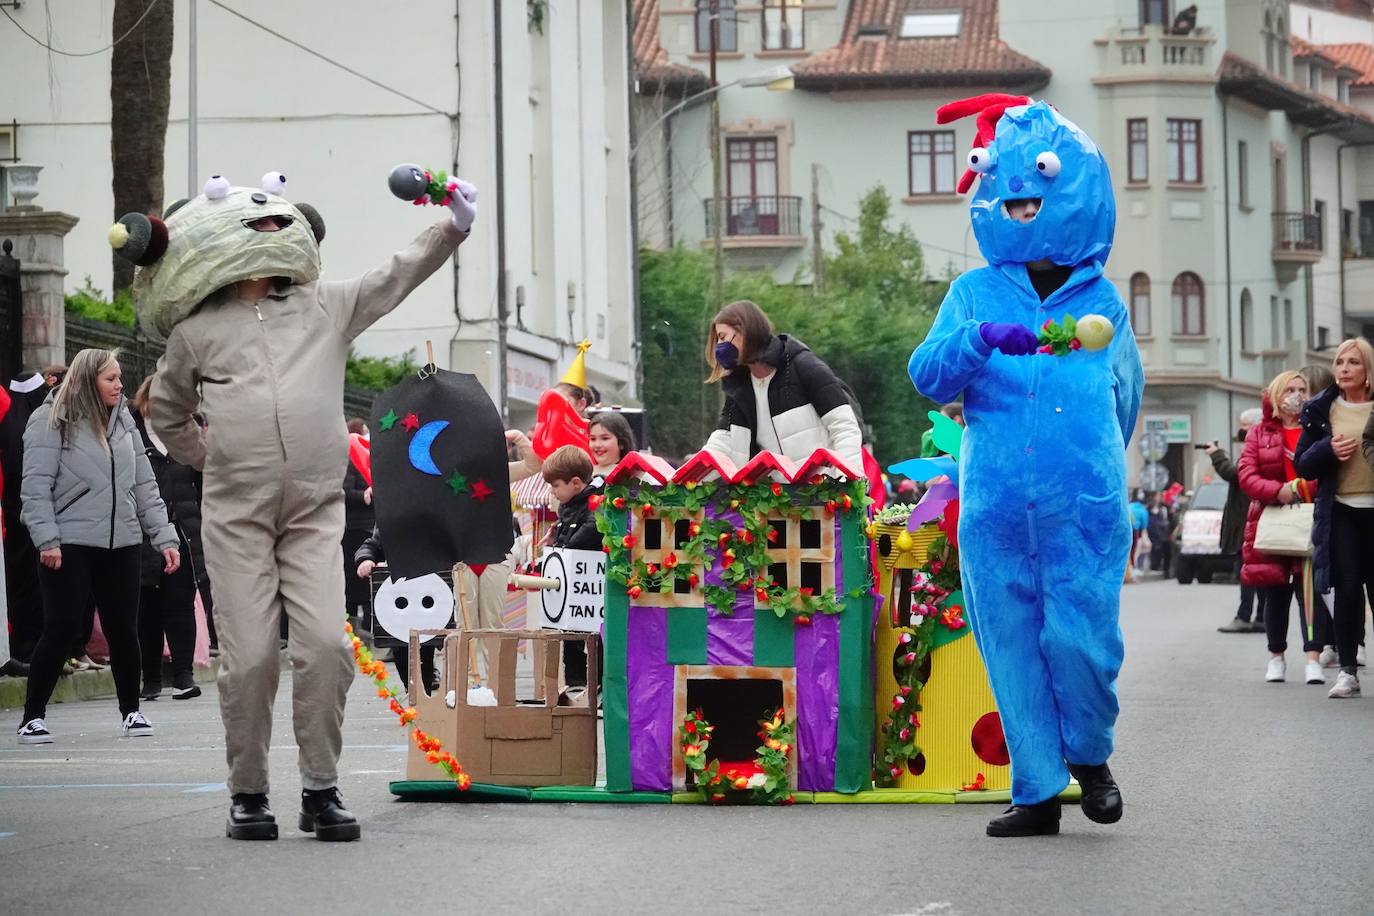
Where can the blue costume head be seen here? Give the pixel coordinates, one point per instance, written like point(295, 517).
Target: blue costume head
point(1033, 152)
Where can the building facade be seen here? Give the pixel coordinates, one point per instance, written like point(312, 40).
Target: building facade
point(1223, 132)
point(534, 113)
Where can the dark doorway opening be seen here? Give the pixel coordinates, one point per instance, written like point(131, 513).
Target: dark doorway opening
point(734, 707)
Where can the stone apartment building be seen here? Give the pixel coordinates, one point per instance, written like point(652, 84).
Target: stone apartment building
point(1234, 145)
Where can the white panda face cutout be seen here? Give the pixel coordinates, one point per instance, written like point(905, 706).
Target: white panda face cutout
point(402, 605)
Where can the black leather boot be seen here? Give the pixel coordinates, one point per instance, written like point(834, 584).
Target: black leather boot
point(1027, 820)
point(250, 818)
point(323, 814)
point(1101, 798)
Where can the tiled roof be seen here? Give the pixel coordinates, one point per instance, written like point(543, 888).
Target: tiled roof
point(1301, 49)
point(1358, 57)
point(872, 52)
point(652, 68)
point(1244, 78)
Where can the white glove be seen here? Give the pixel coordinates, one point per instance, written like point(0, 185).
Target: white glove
point(463, 202)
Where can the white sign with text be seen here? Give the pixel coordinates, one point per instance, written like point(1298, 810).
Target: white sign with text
point(580, 605)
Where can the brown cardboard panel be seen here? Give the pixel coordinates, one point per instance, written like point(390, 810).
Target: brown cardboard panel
point(539, 759)
point(517, 724)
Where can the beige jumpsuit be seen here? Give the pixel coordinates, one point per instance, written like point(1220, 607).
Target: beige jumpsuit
point(268, 378)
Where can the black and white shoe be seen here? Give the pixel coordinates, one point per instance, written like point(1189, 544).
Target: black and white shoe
point(150, 692)
point(136, 726)
point(34, 731)
point(184, 687)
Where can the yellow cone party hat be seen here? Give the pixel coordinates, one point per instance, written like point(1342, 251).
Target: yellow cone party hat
point(577, 372)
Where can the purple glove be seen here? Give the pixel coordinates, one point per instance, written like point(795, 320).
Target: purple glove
point(1011, 339)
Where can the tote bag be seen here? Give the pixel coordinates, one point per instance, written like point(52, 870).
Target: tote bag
point(1285, 531)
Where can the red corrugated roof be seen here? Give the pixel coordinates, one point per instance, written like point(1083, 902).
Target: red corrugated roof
point(703, 464)
point(1358, 57)
point(872, 51)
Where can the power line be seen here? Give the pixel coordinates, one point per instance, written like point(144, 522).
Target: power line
point(43, 44)
point(329, 60)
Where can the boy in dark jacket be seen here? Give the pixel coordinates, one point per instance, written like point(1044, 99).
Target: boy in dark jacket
point(568, 472)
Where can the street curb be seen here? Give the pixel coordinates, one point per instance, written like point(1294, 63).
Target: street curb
point(86, 685)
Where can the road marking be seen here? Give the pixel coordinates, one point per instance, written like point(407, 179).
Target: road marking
point(3, 835)
point(209, 787)
point(110, 785)
point(154, 749)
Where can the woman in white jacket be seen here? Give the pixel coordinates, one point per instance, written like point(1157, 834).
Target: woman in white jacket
point(89, 495)
point(779, 396)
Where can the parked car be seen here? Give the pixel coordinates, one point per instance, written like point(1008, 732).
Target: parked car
point(1199, 553)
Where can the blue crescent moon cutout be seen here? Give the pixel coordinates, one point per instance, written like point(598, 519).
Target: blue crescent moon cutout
point(420, 444)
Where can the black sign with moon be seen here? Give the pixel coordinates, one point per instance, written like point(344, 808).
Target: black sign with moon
point(440, 479)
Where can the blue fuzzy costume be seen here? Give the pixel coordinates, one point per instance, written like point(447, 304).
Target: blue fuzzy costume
point(1044, 532)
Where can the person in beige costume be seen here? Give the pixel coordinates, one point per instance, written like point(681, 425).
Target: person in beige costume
point(262, 359)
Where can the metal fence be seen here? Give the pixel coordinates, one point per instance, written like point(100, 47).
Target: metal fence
point(138, 358)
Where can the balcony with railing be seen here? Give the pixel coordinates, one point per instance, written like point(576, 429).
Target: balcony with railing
point(1297, 238)
point(757, 222)
point(1153, 52)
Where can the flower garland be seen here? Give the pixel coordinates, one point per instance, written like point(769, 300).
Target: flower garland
point(741, 548)
point(932, 585)
point(765, 782)
point(432, 747)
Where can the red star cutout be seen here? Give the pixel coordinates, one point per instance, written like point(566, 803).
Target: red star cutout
point(480, 491)
point(411, 422)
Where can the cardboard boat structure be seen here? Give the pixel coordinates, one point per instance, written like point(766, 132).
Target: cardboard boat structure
point(670, 649)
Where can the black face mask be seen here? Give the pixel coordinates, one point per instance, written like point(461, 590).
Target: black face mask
point(1240, 435)
point(727, 356)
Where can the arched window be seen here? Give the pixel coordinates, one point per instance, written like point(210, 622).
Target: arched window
point(783, 29)
point(1247, 321)
point(1140, 304)
point(728, 39)
point(1189, 318)
point(1281, 46)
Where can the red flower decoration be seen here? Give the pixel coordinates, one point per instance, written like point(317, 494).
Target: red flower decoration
point(628, 541)
point(777, 489)
point(594, 501)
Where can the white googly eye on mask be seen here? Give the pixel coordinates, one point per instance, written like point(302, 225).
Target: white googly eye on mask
point(1047, 164)
point(979, 159)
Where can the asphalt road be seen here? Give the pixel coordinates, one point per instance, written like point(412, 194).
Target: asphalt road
point(1241, 797)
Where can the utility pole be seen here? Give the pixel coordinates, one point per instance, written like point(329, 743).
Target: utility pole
point(717, 204)
point(817, 254)
point(192, 184)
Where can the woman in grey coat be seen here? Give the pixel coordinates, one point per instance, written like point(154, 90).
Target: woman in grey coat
point(88, 497)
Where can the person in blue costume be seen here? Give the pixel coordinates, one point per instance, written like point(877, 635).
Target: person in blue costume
point(1044, 531)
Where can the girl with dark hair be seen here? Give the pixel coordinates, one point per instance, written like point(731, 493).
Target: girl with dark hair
point(610, 439)
point(779, 396)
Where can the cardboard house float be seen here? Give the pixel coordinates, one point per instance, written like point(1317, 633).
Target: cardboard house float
point(767, 605)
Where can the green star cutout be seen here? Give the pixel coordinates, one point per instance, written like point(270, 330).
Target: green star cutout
point(388, 421)
point(457, 483)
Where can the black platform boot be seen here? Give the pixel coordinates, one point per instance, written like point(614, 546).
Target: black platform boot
point(1101, 798)
point(1027, 820)
point(250, 818)
point(323, 814)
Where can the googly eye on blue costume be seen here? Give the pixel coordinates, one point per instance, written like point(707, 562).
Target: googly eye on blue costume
point(1038, 153)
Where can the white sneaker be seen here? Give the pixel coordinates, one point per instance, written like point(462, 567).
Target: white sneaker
point(1329, 658)
point(1315, 675)
point(34, 731)
point(1277, 670)
point(136, 726)
point(1347, 685)
point(1360, 656)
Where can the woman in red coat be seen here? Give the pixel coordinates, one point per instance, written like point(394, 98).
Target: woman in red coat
point(1268, 477)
